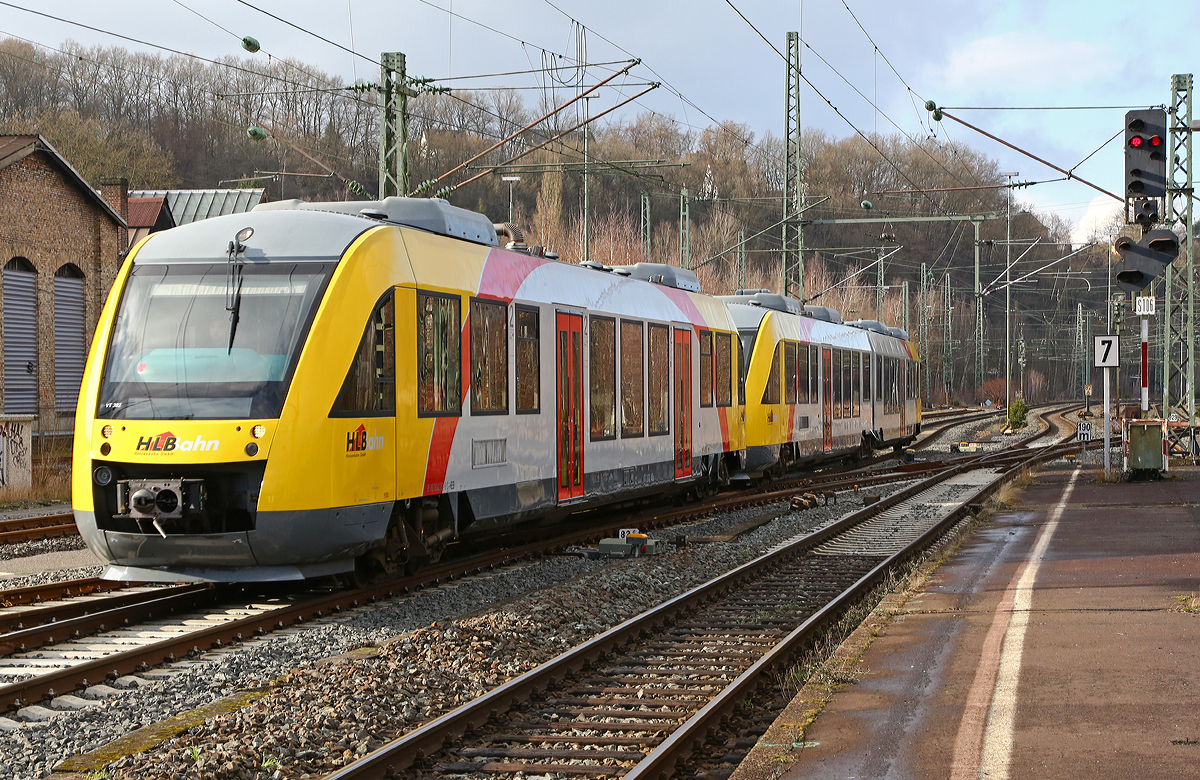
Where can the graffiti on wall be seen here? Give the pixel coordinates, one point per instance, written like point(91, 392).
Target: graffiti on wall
point(15, 456)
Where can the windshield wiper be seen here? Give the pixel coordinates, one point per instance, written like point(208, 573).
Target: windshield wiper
point(235, 310)
point(234, 271)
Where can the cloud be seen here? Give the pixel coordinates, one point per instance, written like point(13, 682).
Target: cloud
point(1025, 60)
point(1100, 213)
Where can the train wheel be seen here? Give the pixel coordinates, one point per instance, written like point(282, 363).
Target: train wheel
point(364, 570)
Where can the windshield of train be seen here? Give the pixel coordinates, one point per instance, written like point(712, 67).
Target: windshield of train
point(178, 352)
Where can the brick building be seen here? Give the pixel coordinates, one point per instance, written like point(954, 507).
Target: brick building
point(61, 245)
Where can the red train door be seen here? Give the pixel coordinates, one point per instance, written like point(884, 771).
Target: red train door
point(827, 397)
point(570, 406)
point(683, 403)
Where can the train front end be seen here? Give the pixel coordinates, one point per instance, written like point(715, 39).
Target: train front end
point(191, 365)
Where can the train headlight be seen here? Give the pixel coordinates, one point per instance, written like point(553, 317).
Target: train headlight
point(105, 448)
point(258, 431)
point(103, 476)
point(251, 449)
point(106, 431)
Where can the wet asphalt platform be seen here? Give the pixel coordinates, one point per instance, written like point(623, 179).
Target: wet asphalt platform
point(1059, 641)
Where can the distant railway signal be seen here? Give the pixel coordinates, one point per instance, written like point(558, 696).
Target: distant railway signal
point(1146, 153)
point(1145, 211)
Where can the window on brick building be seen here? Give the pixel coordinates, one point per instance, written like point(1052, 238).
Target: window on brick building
point(20, 337)
point(70, 342)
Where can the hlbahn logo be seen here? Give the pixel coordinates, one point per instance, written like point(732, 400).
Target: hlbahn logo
point(168, 442)
point(359, 441)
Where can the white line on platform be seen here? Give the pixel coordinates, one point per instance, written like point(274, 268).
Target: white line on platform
point(985, 736)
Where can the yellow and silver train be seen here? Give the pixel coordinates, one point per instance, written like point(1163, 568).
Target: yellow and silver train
point(316, 389)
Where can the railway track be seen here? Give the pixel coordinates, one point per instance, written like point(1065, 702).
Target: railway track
point(305, 761)
point(60, 648)
point(24, 529)
point(57, 525)
point(642, 697)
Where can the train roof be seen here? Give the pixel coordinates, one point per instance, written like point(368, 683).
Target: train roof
point(430, 214)
point(277, 235)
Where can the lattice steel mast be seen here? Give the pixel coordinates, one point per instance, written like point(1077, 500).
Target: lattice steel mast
point(1179, 354)
point(792, 280)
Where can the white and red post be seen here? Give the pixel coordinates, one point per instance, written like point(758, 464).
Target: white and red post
point(1145, 367)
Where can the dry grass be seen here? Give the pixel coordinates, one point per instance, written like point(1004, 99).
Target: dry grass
point(1187, 603)
point(51, 477)
point(1115, 475)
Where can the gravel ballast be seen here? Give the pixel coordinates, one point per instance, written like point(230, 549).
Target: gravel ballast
point(436, 649)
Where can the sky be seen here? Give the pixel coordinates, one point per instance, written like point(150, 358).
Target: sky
point(978, 58)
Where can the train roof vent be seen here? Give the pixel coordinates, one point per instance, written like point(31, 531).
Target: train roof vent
point(750, 291)
point(899, 333)
point(871, 325)
point(666, 275)
point(823, 313)
point(432, 214)
point(765, 299)
point(595, 266)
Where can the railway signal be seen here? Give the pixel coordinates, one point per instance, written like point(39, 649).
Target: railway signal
point(1143, 261)
point(1146, 153)
point(1145, 211)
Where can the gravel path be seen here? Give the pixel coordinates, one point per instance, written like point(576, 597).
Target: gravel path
point(435, 649)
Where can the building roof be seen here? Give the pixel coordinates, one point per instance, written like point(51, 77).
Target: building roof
point(17, 147)
point(145, 212)
point(188, 206)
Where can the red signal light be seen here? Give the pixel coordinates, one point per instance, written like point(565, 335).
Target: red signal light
point(1136, 142)
point(1155, 141)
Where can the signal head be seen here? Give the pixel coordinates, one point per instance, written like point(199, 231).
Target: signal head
point(1145, 161)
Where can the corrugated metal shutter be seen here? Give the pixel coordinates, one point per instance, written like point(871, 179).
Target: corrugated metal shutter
point(20, 342)
point(70, 349)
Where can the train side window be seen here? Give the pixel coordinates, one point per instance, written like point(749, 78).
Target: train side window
point(887, 385)
point(529, 378)
point(879, 378)
point(489, 357)
point(771, 391)
point(868, 361)
point(835, 379)
point(814, 373)
point(603, 366)
point(439, 354)
point(847, 384)
point(789, 372)
point(706, 367)
point(658, 369)
point(633, 382)
point(370, 384)
point(723, 354)
point(856, 384)
point(802, 374)
point(894, 388)
point(741, 373)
